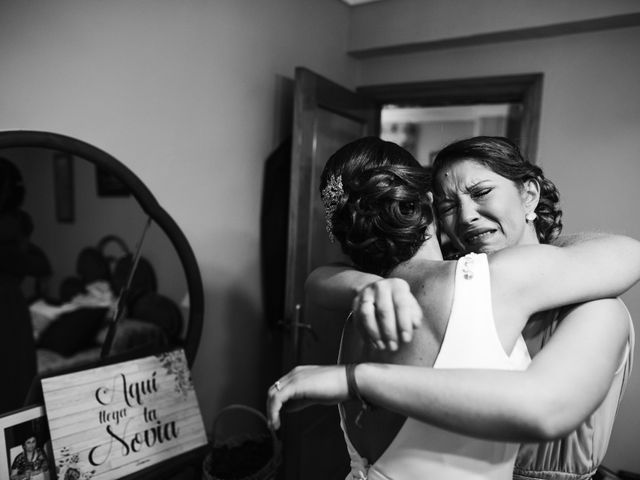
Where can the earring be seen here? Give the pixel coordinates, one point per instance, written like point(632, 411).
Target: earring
point(530, 217)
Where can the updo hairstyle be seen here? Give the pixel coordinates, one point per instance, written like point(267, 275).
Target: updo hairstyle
point(382, 211)
point(504, 158)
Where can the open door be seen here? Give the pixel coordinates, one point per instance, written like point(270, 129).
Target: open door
point(326, 116)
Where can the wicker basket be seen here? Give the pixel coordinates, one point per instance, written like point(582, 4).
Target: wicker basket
point(228, 459)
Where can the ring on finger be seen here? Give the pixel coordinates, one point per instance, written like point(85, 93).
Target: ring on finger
point(277, 386)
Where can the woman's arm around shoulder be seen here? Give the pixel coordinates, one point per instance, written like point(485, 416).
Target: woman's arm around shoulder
point(541, 277)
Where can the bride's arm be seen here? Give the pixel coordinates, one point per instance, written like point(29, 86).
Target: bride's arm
point(565, 382)
point(335, 286)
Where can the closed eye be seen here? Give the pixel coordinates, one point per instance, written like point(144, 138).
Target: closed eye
point(445, 208)
point(482, 192)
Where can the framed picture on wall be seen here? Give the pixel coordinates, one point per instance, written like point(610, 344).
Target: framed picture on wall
point(63, 187)
point(25, 445)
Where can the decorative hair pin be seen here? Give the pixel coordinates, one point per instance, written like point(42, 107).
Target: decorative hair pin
point(331, 195)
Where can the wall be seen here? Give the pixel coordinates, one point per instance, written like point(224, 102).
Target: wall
point(403, 24)
point(192, 96)
point(588, 141)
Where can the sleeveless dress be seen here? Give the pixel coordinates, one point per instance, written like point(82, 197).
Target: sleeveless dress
point(420, 450)
point(578, 455)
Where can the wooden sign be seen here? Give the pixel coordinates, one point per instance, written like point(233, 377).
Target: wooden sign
point(118, 419)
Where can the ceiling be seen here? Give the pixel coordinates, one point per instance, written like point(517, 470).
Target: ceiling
point(358, 2)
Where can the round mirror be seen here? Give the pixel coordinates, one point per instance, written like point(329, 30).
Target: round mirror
point(83, 242)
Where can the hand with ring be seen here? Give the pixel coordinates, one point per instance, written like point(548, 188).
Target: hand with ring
point(386, 313)
point(306, 385)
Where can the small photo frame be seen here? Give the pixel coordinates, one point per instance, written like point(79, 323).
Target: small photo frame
point(25, 445)
point(109, 185)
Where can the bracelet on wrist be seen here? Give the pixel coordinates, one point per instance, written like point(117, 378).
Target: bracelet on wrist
point(354, 392)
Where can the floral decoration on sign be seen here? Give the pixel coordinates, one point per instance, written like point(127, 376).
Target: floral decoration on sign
point(69, 464)
point(175, 364)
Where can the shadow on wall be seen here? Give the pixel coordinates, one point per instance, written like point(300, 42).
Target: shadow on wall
point(239, 355)
point(252, 352)
point(274, 221)
point(282, 108)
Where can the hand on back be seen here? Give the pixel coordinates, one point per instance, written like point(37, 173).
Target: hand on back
point(386, 313)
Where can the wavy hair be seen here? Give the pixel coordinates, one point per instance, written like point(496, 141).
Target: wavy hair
point(504, 158)
point(382, 213)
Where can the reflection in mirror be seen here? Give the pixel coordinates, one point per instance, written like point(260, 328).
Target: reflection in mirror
point(423, 131)
point(77, 230)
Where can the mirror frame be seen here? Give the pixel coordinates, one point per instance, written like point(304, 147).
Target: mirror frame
point(148, 203)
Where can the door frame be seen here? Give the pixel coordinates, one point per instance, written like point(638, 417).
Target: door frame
point(311, 93)
point(525, 89)
point(313, 438)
